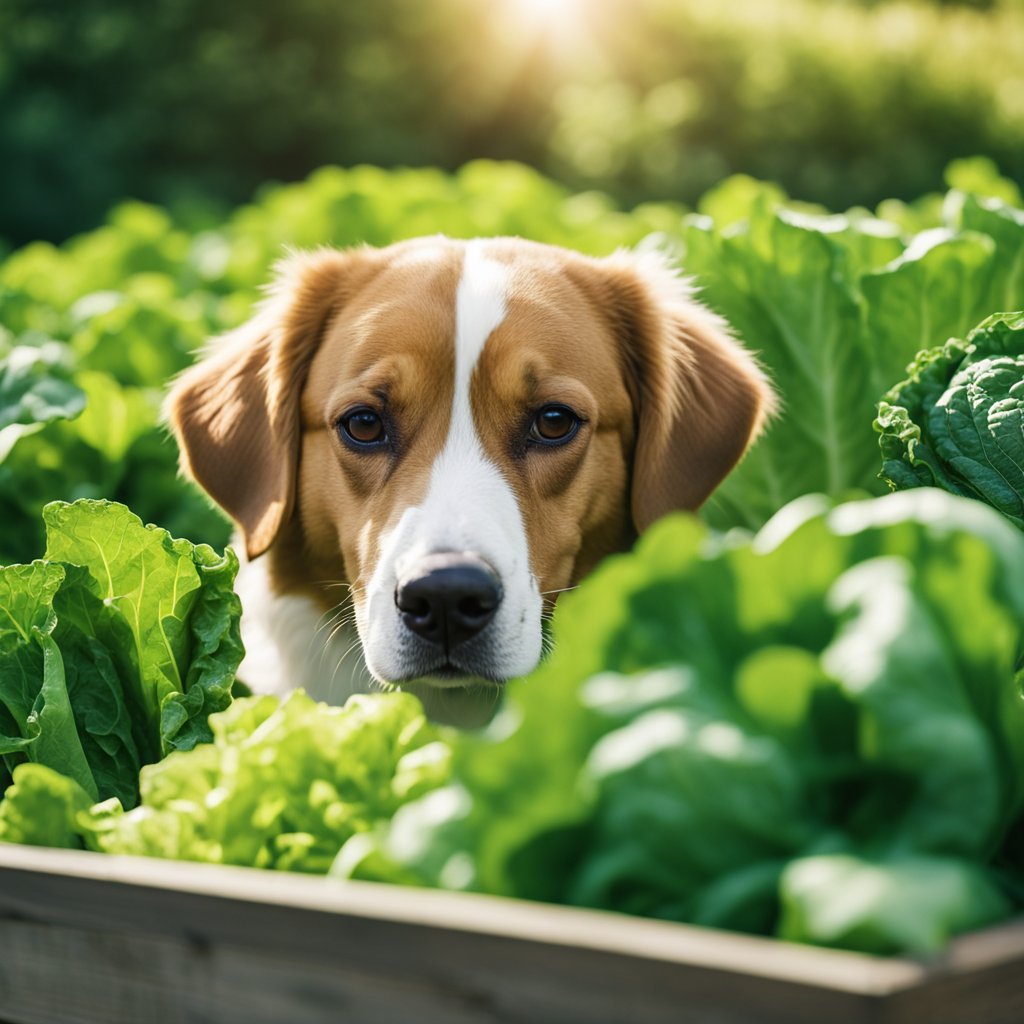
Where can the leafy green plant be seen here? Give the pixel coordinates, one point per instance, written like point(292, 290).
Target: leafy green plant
point(114, 648)
point(802, 734)
point(957, 421)
point(837, 306)
point(283, 785)
point(773, 735)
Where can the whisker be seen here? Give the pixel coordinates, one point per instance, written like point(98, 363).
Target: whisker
point(337, 668)
point(327, 621)
point(339, 626)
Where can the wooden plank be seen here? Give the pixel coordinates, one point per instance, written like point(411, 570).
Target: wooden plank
point(88, 938)
point(979, 979)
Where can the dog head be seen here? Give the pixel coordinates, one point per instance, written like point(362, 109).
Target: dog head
point(459, 431)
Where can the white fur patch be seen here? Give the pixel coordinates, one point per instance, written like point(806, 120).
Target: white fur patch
point(289, 642)
point(469, 507)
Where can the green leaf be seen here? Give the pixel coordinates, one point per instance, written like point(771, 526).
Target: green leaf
point(215, 653)
point(938, 289)
point(33, 687)
point(96, 644)
point(41, 808)
point(900, 905)
point(35, 389)
point(980, 176)
point(782, 282)
point(957, 421)
point(150, 579)
point(115, 650)
point(1005, 226)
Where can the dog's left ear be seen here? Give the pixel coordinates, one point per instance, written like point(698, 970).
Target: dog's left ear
point(701, 398)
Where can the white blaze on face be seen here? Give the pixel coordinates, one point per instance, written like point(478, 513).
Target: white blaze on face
point(469, 507)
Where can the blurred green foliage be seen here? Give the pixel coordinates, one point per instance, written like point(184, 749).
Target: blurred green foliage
point(193, 104)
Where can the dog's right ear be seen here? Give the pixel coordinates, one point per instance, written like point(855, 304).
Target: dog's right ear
point(236, 413)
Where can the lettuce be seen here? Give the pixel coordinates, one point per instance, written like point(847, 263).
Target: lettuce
point(724, 723)
point(957, 421)
point(114, 648)
point(283, 785)
point(802, 734)
point(836, 306)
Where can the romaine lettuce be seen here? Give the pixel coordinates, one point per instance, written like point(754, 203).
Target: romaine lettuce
point(114, 648)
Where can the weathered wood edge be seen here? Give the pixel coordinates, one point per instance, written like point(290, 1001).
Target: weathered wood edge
point(549, 925)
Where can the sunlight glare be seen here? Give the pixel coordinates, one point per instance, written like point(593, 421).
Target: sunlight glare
point(556, 19)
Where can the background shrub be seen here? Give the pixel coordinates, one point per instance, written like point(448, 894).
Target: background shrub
point(194, 104)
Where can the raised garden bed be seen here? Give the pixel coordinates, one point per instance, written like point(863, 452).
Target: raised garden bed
point(89, 938)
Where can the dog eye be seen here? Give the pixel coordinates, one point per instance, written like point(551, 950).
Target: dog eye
point(554, 424)
point(362, 427)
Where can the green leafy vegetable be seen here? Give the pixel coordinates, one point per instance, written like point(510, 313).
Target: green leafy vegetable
point(283, 785)
point(836, 306)
point(35, 389)
point(957, 421)
point(114, 649)
point(42, 807)
point(724, 723)
point(888, 906)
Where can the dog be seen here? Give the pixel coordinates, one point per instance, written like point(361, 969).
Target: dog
point(422, 445)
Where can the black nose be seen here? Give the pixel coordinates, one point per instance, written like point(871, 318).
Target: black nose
point(448, 598)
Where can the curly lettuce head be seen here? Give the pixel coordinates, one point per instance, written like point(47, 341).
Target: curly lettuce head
point(957, 421)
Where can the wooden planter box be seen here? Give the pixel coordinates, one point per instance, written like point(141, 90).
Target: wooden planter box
point(88, 938)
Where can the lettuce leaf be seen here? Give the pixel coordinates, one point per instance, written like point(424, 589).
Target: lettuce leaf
point(836, 307)
point(41, 808)
point(957, 421)
point(114, 649)
point(886, 906)
point(283, 785)
point(781, 281)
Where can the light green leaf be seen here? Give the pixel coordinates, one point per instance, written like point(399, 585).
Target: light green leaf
point(938, 289)
point(149, 578)
point(900, 905)
point(41, 808)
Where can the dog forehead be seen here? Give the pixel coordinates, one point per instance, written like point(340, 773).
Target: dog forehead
point(552, 331)
point(502, 309)
point(398, 327)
